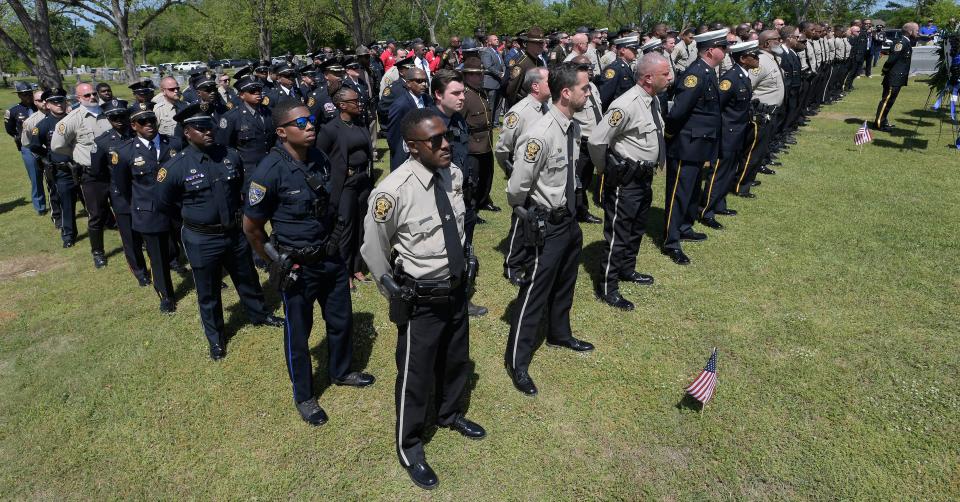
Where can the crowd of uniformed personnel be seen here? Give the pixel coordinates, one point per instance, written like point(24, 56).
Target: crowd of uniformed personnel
point(194, 175)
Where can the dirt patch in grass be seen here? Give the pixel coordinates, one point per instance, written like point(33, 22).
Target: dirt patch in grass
point(29, 266)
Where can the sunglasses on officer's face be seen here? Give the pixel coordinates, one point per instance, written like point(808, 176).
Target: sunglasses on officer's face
point(417, 80)
point(143, 122)
point(301, 122)
point(436, 141)
point(88, 95)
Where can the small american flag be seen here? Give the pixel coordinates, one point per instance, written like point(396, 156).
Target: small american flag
point(863, 135)
point(702, 388)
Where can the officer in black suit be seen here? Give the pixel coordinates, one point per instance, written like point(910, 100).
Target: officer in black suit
point(136, 169)
point(262, 71)
point(203, 184)
point(248, 127)
point(736, 92)
point(390, 93)
point(617, 78)
point(205, 85)
point(319, 101)
point(895, 73)
point(286, 85)
point(793, 79)
point(413, 96)
point(693, 134)
point(353, 80)
point(308, 79)
point(291, 189)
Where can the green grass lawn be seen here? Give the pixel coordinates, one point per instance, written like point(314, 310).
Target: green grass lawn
point(833, 298)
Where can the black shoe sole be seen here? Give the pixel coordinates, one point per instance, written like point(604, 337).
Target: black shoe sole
point(548, 344)
point(421, 485)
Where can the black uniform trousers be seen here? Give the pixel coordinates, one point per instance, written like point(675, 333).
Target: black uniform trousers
point(209, 255)
point(96, 194)
point(433, 357)
point(745, 175)
point(718, 179)
point(158, 249)
point(352, 210)
point(53, 202)
point(67, 198)
point(132, 243)
point(625, 211)
point(326, 284)
point(887, 100)
point(585, 175)
point(515, 259)
point(793, 109)
point(482, 164)
point(684, 184)
point(549, 291)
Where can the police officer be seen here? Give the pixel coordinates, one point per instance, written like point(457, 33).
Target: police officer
point(770, 91)
point(290, 189)
point(516, 123)
point(736, 94)
point(353, 79)
point(476, 112)
point(532, 57)
point(617, 77)
point(262, 71)
point(319, 101)
point(167, 105)
point(347, 144)
point(414, 94)
point(204, 184)
point(389, 92)
point(118, 115)
point(75, 135)
point(895, 72)
point(542, 184)
point(13, 120)
point(308, 79)
point(143, 90)
point(627, 146)
point(205, 85)
point(249, 127)
point(104, 93)
point(286, 87)
point(692, 128)
point(451, 58)
point(51, 202)
point(136, 170)
point(58, 164)
point(417, 214)
point(588, 118)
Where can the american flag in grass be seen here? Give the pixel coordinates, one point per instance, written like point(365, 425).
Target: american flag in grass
point(702, 388)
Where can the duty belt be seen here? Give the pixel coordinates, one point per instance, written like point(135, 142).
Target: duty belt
point(203, 228)
point(474, 130)
point(432, 291)
point(555, 215)
point(305, 256)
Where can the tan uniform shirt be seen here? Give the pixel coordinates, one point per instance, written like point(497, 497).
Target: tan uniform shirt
point(591, 114)
point(767, 80)
point(164, 110)
point(403, 217)
point(684, 55)
point(628, 128)
point(594, 58)
point(75, 134)
point(607, 58)
point(28, 125)
point(541, 162)
point(810, 60)
point(391, 76)
point(515, 122)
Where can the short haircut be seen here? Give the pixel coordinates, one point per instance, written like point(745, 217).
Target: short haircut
point(103, 85)
point(786, 31)
point(442, 78)
point(282, 109)
point(533, 76)
point(413, 119)
point(647, 63)
point(563, 76)
point(341, 95)
point(409, 72)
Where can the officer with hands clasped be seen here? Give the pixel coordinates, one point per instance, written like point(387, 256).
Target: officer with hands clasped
point(203, 185)
point(290, 189)
point(417, 215)
point(59, 166)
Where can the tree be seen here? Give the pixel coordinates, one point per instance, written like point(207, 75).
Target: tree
point(68, 38)
point(430, 13)
point(37, 26)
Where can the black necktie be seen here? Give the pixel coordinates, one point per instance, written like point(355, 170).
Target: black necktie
point(448, 221)
point(661, 146)
point(152, 150)
point(573, 130)
point(596, 109)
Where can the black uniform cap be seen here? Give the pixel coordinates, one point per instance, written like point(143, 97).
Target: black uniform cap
point(114, 107)
point(142, 87)
point(142, 110)
point(57, 94)
point(198, 114)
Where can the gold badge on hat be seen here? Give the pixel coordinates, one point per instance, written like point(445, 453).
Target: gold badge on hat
point(204, 107)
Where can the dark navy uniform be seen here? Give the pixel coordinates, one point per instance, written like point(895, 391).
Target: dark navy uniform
point(136, 168)
point(617, 78)
point(514, 91)
point(60, 167)
point(279, 92)
point(397, 88)
point(736, 93)
point(249, 130)
point(279, 192)
point(206, 187)
point(693, 134)
point(13, 124)
point(321, 105)
point(895, 73)
point(363, 90)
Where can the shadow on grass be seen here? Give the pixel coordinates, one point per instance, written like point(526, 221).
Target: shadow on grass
point(908, 144)
point(363, 336)
point(13, 204)
point(690, 404)
point(472, 378)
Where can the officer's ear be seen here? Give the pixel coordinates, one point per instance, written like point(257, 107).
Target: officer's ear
point(281, 134)
point(412, 148)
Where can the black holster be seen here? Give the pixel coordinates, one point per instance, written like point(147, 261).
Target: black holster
point(533, 223)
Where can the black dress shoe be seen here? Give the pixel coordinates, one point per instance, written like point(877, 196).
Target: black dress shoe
point(270, 320)
point(490, 207)
point(693, 236)
point(143, 279)
point(638, 278)
point(677, 256)
point(217, 352)
point(312, 413)
point(573, 344)
point(167, 306)
point(476, 310)
point(356, 379)
point(616, 301)
point(775, 163)
point(726, 212)
point(755, 183)
point(746, 195)
point(480, 221)
point(99, 260)
point(423, 476)
point(223, 285)
point(712, 223)
point(68, 244)
point(766, 170)
point(467, 428)
point(588, 218)
point(522, 381)
point(790, 141)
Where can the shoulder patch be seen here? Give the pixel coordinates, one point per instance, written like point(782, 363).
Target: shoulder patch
point(329, 108)
point(61, 127)
point(690, 82)
point(533, 149)
point(515, 72)
point(898, 47)
point(755, 71)
point(616, 116)
point(223, 123)
point(255, 193)
point(511, 120)
point(725, 85)
point(35, 131)
point(386, 92)
point(313, 101)
point(383, 207)
point(266, 101)
point(610, 73)
point(229, 105)
point(161, 174)
point(114, 158)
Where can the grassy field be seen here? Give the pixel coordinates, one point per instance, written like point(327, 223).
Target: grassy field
point(833, 299)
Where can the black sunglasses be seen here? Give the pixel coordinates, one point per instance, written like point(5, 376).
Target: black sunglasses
point(146, 121)
point(436, 141)
point(301, 122)
point(417, 80)
point(88, 95)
